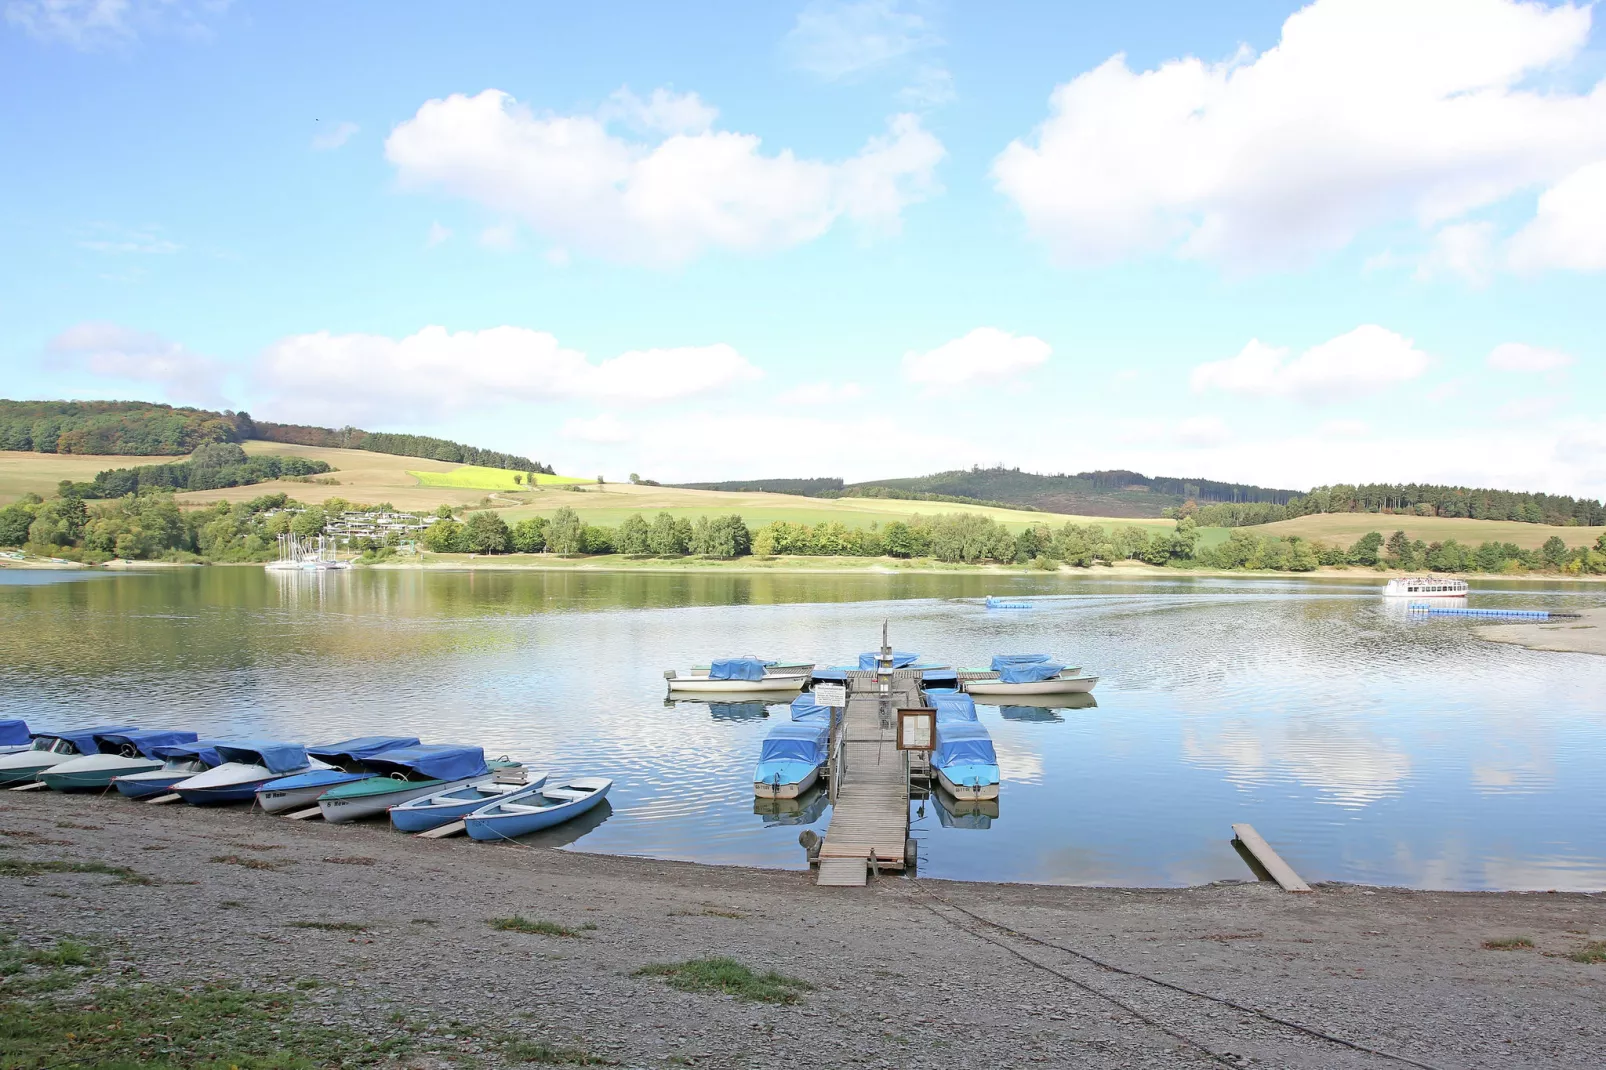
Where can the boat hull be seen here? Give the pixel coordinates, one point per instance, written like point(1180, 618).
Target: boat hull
point(967, 792)
point(149, 785)
point(231, 782)
point(771, 790)
point(422, 815)
point(703, 685)
point(355, 808)
point(485, 826)
point(94, 772)
point(25, 766)
point(278, 800)
point(1060, 685)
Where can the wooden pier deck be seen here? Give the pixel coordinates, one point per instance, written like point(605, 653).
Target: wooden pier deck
point(869, 782)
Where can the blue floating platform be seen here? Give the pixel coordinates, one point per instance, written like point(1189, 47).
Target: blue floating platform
point(1006, 603)
point(1456, 611)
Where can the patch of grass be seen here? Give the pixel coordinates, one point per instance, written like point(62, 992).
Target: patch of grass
point(258, 846)
point(727, 976)
point(36, 867)
point(424, 921)
point(519, 924)
point(1594, 951)
point(76, 825)
point(330, 926)
point(230, 904)
point(249, 863)
point(34, 837)
point(351, 860)
point(64, 953)
point(307, 983)
point(1508, 943)
point(532, 1051)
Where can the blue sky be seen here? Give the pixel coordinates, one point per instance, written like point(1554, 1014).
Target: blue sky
point(1246, 241)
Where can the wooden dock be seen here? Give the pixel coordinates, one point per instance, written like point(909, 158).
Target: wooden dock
point(1269, 860)
point(869, 781)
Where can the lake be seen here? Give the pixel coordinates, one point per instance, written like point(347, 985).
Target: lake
point(1366, 746)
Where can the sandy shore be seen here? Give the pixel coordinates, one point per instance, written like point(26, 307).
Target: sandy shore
point(904, 973)
point(1586, 635)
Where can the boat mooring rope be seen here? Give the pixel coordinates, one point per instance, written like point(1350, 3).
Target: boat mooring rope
point(1315, 1034)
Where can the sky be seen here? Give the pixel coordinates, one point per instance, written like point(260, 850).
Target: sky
point(1359, 240)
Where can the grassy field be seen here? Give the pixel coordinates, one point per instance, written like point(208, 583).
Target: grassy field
point(475, 477)
point(1345, 528)
point(38, 473)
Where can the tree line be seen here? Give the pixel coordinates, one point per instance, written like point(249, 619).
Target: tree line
point(212, 465)
point(1418, 499)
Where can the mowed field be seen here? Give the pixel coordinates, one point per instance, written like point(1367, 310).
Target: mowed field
point(414, 483)
point(1345, 528)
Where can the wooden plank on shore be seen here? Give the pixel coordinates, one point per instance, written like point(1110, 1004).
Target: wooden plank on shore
point(302, 815)
point(443, 831)
point(1280, 871)
point(843, 873)
point(37, 785)
point(163, 800)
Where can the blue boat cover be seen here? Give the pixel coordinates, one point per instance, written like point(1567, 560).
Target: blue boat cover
point(313, 778)
point(804, 708)
point(939, 676)
point(901, 659)
point(362, 747)
point(204, 749)
point(963, 743)
point(84, 738)
point(737, 669)
point(276, 757)
point(837, 674)
point(145, 741)
point(437, 761)
point(1005, 661)
point(952, 706)
point(14, 733)
point(796, 741)
point(1029, 674)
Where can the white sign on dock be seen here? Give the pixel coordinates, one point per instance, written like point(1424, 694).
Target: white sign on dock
point(830, 694)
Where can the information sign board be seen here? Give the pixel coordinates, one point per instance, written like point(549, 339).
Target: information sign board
point(830, 695)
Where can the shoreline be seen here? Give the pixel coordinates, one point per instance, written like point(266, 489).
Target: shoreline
point(359, 925)
point(1586, 635)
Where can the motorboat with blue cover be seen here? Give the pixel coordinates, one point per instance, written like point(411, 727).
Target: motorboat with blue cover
point(51, 749)
point(901, 659)
point(345, 761)
point(1028, 674)
point(118, 753)
point(14, 735)
point(408, 773)
point(551, 805)
point(964, 759)
point(951, 705)
point(804, 708)
point(791, 757)
point(180, 761)
point(246, 766)
point(746, 674)
point(442, 808)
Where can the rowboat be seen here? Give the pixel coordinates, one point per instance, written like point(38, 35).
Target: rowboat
point(345, 764)
point(180, 761)
point(1026, 674)
point(739, 675)
point(120, 753)
point(550, 806)
point(790, 759)
point(453, 804)
point(964, 760)
point(51, 749)
point(247, 765)
point(1066, 682)
point(408, 773)
point(14, 736)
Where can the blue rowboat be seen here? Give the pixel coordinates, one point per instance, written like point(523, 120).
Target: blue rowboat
point(964, 760)
point(790, 759)
point(552, 805)
point(444, 807)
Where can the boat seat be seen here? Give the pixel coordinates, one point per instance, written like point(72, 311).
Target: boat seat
point(570, 794)
point(511, 776)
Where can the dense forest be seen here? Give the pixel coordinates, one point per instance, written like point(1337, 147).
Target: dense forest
point(813, 488)
point(145, 429)
point(212, 465)
point(1418, 499)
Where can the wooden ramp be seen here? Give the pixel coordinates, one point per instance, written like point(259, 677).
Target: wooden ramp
point(1270, 860)
point(869, 783)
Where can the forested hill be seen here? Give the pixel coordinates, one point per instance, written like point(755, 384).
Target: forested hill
point(145, 429)
point(1110, 493)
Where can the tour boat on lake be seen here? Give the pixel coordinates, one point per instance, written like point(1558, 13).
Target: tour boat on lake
point(1425, 587)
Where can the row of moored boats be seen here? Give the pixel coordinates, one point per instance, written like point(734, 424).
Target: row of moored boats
point(420, 786)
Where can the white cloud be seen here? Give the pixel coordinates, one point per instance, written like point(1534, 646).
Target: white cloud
point(986, 353)
point(503, 235)
point(437, 234)
point(333, 135)
point(1364, 361)
point(1569, 229)
point(1463, 249)
point(1521, 410)
point(822, 393)
point(1344, 429)
point(1366, 112)
point(657, 202)
point(1519, 357)
point(1203, 431)
point(606, 428)
point(436, 372)
point(90, 25)
point(663, 112)
point(106, 350)
point(118, 240)
point(836, 41)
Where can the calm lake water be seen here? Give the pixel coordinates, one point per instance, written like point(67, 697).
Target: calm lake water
point(1364, 745)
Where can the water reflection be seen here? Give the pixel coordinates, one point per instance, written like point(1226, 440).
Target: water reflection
point(1365, 744)
point(806, 809)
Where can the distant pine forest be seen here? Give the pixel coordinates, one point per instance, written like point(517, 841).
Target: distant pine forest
point(146, 429)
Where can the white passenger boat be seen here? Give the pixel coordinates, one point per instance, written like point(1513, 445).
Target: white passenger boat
point(1026, 674)
point(1425, 587)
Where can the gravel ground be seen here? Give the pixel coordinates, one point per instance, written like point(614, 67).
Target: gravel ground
point(1586, 635)
point(906, 972)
